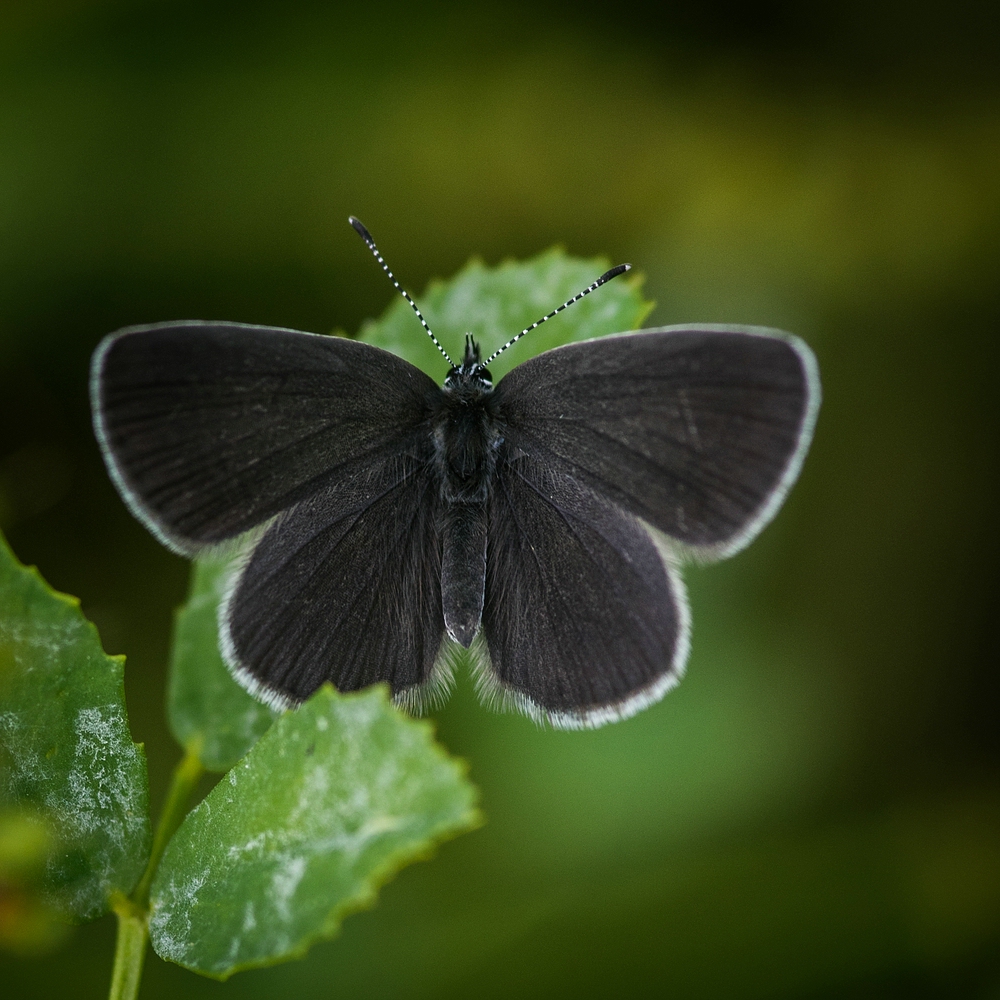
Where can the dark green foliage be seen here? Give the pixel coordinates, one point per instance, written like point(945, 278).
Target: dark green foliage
point(210, 714)
point(65, 747)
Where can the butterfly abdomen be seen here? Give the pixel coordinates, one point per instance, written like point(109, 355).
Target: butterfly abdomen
point(463, 570)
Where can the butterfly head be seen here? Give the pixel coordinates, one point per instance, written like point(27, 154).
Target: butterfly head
point(471, 374)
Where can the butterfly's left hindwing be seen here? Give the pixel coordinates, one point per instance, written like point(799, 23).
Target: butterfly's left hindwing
point(345, 587)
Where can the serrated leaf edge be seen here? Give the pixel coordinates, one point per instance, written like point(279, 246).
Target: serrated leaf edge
point(367, 897)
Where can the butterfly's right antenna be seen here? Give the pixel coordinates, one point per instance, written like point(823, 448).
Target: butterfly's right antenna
point(603, 279)
point(367, 237)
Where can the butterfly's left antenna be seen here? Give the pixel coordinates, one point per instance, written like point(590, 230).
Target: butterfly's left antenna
point(367, 237)
point(603, 279)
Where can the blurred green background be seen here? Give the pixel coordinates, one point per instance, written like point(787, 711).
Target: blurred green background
point(815, 811)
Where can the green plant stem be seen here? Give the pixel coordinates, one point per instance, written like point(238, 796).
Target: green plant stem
point(130, 951)
point(185, 778)
point(133, 914)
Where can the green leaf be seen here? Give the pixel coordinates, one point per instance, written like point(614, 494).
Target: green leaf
point(333, 799)
point(65, 747)
point(494, 304)
point(210, 714)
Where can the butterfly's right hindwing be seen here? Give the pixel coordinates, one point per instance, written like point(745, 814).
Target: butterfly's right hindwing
point(585, 620)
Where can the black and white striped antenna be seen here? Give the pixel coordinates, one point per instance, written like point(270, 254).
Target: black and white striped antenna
point(367, 237)
point(604, 278)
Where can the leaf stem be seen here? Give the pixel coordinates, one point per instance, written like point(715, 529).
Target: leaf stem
point(130, 951)
point(133, 914)
point(185, 778)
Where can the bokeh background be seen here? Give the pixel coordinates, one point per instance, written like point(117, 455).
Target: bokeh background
point(815, 811)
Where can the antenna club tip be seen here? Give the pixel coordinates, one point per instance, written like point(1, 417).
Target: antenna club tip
point(359, 228)
point(613, 273)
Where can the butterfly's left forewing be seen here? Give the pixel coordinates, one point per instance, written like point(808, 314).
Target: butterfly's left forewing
point(211, 429)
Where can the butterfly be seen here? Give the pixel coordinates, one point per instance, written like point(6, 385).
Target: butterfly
point(386, 521)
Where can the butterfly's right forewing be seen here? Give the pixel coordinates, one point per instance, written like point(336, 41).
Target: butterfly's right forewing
point(698, 431)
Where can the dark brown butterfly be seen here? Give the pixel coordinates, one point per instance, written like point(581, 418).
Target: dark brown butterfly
point(387, 520)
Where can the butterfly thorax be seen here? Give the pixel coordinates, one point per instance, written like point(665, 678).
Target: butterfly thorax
point(466, 436)
point(466, 440)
